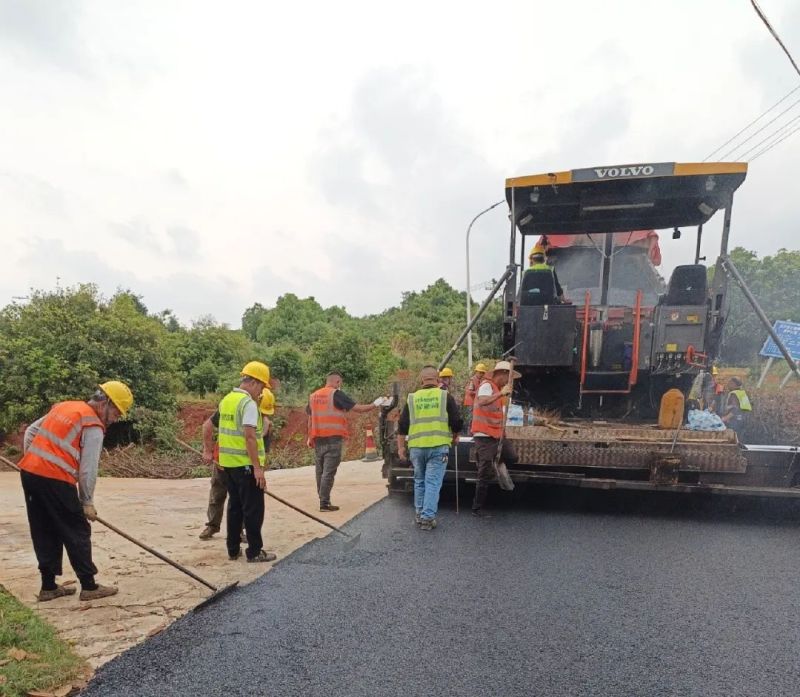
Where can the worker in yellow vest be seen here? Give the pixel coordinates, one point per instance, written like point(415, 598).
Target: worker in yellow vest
point(538, 260)
point(431, 421)
point(737, 406)
point(62, 449)
point(218, 492)
point(241, 456)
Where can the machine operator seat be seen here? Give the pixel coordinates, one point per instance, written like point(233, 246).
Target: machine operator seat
point(688, 285)
point(538, 288)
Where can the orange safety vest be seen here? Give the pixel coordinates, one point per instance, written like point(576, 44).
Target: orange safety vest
point(471, 390)
point(326, 419)
point(488, 419)
point(55, 451)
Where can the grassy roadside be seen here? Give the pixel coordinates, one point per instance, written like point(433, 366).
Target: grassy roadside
point(32, 657)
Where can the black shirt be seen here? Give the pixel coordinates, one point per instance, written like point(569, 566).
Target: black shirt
point(454, 419)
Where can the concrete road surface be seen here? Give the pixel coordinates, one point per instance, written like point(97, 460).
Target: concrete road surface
point(595, 594)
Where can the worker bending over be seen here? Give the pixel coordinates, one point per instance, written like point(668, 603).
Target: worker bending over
point(63, 449)
point(241, 456)
point(327, 429)
point(487, 430)
point(431, 421)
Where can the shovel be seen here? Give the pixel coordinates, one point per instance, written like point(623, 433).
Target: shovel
point(351, 540)
point(217, 592)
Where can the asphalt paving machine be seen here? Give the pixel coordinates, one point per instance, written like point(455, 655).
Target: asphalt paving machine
point(604, 357)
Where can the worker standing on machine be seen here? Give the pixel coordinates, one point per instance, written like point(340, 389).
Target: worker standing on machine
point(487, 430)
point(539, 262)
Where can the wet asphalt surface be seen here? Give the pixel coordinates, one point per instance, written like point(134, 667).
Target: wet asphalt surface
point(562, 593)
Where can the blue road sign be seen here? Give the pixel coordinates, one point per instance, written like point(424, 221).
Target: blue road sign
point(789, 332)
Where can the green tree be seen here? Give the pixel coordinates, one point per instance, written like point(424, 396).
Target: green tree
point(61, 344)
point(775, 281)
point(341, 350)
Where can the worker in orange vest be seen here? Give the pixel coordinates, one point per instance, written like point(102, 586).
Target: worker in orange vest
point(62, 449)
point(487, 429)
point(327, 429)
point(471, 390)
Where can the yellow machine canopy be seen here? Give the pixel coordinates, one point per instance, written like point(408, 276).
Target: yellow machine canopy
point(617, 198)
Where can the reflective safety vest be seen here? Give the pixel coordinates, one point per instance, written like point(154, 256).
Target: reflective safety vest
point(231, 440)
point(540, 267)
point(429, 426)
point(488, 419)
point(326, 420)
point(471, 390)
point(55, 451)
point(744, 400)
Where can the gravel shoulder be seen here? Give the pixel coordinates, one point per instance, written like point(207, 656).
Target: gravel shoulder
point(168, 515)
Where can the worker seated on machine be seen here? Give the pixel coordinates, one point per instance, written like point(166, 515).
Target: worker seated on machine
point(540, 284)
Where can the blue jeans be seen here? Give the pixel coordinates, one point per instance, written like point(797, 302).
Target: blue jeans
point(429, 467)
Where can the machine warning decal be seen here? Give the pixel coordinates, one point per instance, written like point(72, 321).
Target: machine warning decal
point(693, 318)
point(671, 348)
point(675, 316)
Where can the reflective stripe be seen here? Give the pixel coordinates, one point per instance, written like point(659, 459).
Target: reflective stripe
point(232, 451)
point(53, 459)
point(64, 444)
point(230, 432)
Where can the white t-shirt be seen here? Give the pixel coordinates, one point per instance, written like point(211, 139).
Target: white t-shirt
point(250, 413)
point(485, 390)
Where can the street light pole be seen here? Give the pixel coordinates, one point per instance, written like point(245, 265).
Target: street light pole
point(469, 298)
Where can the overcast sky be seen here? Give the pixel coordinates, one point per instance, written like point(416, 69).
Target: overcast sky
point(211, 155)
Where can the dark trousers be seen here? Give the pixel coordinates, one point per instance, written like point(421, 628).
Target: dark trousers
point(56, 519)
point(245, 503)
point(216, 498)
point(485, 453)
point(327, 458)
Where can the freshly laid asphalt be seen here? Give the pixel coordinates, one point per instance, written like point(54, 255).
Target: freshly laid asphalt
point(566, 594)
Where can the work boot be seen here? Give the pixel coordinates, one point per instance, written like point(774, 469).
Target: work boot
point(427, 524)
point(263, 556)
point(328, 507)
point(57, 592)
point(417, 518)
point(208, 533)
point(234, 557)
point(480, 513)
point(99, 592)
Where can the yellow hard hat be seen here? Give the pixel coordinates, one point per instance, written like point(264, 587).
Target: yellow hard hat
point(481, 368)
point(120, 395)
point(446, 373)
point(538, 248)
point(267, 404)
point(256, 370)
point(714, 370)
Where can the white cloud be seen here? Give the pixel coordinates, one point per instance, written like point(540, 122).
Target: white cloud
point(226, 155)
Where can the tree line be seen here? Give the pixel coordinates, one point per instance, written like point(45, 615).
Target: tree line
point(60, 344)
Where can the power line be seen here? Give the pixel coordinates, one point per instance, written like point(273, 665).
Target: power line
point(755, 133)
point(754, 121)
point(778, 142)
point(764, 19)
point(774, 133)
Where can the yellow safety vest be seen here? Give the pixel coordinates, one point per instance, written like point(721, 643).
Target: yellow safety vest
point(744, 400)
point(429, 426)
point(231, 440)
